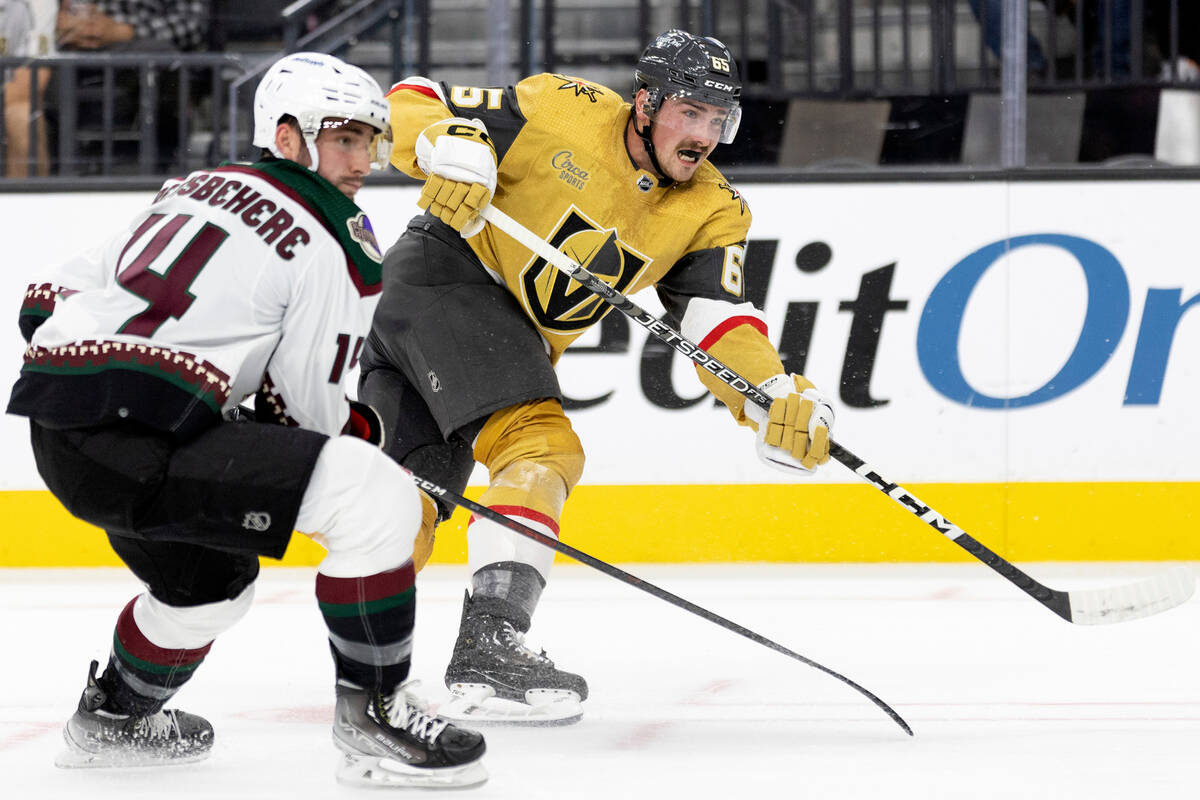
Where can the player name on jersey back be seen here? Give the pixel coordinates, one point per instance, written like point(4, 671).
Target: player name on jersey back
point(269, 219)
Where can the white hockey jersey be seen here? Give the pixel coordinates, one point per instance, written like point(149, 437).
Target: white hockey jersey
point(238, 280)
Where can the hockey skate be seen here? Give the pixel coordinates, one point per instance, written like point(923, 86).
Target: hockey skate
point(392, 741)
point(495, 679)
point(99, 737)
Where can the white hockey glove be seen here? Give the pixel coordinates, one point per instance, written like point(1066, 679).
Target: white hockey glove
point(794, 435)
point(458, 157)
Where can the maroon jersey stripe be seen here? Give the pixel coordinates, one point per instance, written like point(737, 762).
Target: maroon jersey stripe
point(133, 640)
point(363, 289)
point(367, 588)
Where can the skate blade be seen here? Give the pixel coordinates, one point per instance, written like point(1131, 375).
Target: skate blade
point(477, 704)
point(72, 758)
point(374, 771)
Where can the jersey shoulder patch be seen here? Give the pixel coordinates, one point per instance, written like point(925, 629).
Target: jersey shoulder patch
point(338, 214)
point(566, 96)
point(725, 193)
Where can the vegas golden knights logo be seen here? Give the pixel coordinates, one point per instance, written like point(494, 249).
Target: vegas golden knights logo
point(558, 303)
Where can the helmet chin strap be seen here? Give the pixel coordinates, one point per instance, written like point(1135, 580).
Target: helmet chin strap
point(648, 144)
point(311, 143)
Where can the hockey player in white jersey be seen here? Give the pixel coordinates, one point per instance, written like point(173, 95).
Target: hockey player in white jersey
point(244, 280)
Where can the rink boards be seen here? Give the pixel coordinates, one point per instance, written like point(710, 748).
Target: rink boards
point(763, 523)
point(1022, 356)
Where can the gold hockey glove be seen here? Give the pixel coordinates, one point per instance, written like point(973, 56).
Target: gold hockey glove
point(794, 435)
point(458, 156)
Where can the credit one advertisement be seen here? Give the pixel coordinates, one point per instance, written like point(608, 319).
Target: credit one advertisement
point(964, 332)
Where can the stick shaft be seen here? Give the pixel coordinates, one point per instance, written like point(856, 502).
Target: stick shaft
point(649, 588)
point(1057, 601)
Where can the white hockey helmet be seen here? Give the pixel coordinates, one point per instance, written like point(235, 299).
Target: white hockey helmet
point(313, 88)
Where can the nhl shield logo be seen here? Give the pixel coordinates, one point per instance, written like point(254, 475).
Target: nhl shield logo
point(258, 521)
point(644, 183)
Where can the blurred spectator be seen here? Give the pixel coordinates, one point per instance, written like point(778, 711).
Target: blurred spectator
point(1105, 32)
point(26, 30)
point(1184, 64)
point(126, 26)
point(989, 14)
point(1109, 20)
point(134, 24)
point(1104, 22)
point(1179, 66)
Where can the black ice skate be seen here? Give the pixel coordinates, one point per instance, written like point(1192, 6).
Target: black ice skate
point(494, 678)
point(392, 740)
point(97, 736)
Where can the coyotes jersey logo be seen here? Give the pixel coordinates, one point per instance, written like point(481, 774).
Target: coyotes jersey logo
point(560, 304)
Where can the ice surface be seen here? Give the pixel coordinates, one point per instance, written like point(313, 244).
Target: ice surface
point(1006, 699)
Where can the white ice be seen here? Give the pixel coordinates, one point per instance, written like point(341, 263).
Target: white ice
point(1006, 699)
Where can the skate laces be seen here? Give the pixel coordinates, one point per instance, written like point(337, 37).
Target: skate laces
point(514, 640)
point(417, 721)
point(162, 726)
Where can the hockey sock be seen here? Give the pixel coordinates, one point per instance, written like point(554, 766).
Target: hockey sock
point(141, 676)
point(370, 621)
point(507, 589)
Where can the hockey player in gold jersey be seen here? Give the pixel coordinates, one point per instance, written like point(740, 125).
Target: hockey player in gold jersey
point(460, 360)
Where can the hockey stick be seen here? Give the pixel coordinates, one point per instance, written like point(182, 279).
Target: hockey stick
point(645, 586)
point(1086, 607)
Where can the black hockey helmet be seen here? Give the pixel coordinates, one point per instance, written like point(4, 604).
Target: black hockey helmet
point(681, 64)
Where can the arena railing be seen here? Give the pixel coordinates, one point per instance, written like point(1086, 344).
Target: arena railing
point(130, 119)
point(124, 115)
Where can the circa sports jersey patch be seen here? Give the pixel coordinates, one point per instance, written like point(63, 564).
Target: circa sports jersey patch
point(569, 172)
point(558, 303)
point(581, 88)
point(362, 232)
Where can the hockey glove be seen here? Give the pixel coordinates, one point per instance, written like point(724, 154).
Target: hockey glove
point(458, 156)
point(794, 435)
point(364, 423)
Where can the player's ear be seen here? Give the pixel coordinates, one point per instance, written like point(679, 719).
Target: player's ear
point(640, 99)
point(290, 143)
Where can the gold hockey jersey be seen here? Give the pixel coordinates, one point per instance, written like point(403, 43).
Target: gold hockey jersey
point(565, 173)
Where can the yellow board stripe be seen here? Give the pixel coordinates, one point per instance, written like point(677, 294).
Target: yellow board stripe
point(762, 523)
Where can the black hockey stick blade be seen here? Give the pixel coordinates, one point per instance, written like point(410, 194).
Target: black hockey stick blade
point(649, 588)
point(1084, 607)
point(1091, 607)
